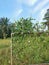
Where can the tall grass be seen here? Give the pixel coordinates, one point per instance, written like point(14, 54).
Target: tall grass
point(5, 52)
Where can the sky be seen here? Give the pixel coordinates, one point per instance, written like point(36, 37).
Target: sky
point(15, 9)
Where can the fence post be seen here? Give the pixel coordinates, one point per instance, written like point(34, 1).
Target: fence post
point(11, 47)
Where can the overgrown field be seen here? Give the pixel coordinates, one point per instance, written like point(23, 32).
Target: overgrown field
point(26, 50)
point(5, 53)
point(29, 49)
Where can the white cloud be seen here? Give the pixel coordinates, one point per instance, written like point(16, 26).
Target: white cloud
point(42, 13)
point(29, 2)
point(40, 5)
point(18, 12)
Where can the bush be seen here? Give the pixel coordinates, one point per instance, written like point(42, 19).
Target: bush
point(29, 49)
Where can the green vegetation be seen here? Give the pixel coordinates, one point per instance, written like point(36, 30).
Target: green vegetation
point(30, 49)
point(30, 41)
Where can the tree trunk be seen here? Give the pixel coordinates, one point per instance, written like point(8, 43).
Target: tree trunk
point(4, 35)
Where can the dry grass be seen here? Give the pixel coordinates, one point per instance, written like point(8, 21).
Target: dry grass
point(4, 41)
point(5, 53)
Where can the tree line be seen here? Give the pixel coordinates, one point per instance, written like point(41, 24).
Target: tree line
point(23, 26)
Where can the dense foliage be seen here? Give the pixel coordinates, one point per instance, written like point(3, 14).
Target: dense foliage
point(4, 27)
point(24, 25)
point(30, 49)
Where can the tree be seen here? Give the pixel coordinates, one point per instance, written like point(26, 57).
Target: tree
point(24, 25)
point(4, 26)
point(46, 17)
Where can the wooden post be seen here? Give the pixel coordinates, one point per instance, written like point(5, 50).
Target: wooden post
point(11, 48)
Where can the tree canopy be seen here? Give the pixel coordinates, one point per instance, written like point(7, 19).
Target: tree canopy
point(4, 27)
point(46, 17)
point(22, 25)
